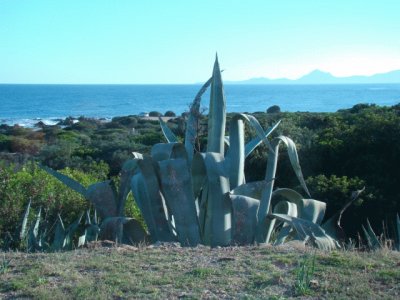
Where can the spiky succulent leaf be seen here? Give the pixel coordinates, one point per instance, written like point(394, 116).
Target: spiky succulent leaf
point(313, 210)
point(59, 235)
point(307, 229)
point(216, 116)
point(177, 189)
point(236, 157)
point(103, 197)
point(34, 238)
point(23, 231)
point(137, 155)
point(244, 219)
point(294, 160)
point(332, 225)
point(123, 230)
point(237, 150)
point(287, 208)
point(192, 124)
point(82, 240)
point(290, 195)
point(210, 169)
point(128, 170)
point(146, 191)
point(372, 239)
point(163, 151)
point(255, 142)
point(70, 231)
point(68, 181)
point(397, 233)
point(169, 135)
point(252, 189)
point(263, 226)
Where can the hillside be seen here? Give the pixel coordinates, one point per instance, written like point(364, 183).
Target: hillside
point(321, 77)
point(171, 272)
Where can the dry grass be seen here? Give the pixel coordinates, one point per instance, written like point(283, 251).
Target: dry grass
point(172, 272)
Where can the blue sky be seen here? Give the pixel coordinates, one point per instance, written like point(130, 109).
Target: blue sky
point(175, 41)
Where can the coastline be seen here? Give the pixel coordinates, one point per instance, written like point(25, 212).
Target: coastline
point(39, 122)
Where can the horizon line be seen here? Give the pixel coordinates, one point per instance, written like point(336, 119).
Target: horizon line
point(228, 81)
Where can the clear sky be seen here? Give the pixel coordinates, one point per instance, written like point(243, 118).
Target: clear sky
point(171, 41)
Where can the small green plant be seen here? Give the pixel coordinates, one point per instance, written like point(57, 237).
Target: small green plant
point(5, 264)
point(304, 274)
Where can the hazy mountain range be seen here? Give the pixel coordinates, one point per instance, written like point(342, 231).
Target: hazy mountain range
point(320, 77)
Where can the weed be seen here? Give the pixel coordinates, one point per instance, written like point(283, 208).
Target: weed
point(202, 272)
point(5, 264)
point(304, 273)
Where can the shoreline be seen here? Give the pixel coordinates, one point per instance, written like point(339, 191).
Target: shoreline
point(38, 122)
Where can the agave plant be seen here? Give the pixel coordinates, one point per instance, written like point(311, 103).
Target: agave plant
point(38, 238)
point(109, 203)
point(375, 243)
point(203, 198)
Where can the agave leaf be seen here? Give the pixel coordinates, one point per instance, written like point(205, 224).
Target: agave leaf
point(332, 226)
point(70, 231)
point(88, 221)
point(290, 195)
point(252, 189)
point(255, 142)
point(92, 232)
point(263, 225)
point(103, 197)
point(95, 220)
point(128, 169)
point(163, 151)
point(23, 232)
point(294, 160)
point(217, 227)
point(34, 239)
point(397, 245)
point(137, 155)
point(193, 121)
point(59, 235)
point(287, 208)
point(82, 240)
point(147, 194)
point(372, 239)
point(178, 192)
point(216, 116)
point(226, 140)
point(262, 135)
point(308, 209)
point(307, 229)
point(235, 156)
point(68, 181)
point(169, 135)
point(123, 230)
point(313, 210)
point(237, 150)
point(202, 209)
point(244, 219)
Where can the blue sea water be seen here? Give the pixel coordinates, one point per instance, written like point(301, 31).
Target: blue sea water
point(26, 104)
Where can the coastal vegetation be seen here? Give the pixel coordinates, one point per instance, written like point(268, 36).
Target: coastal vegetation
point(340, 152)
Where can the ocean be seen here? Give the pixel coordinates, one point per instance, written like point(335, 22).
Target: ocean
point(27, 104)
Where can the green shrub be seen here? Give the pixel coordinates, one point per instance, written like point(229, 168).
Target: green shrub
point(17, 186)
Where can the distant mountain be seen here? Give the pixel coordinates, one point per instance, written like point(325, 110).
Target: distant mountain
point(320, 77)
